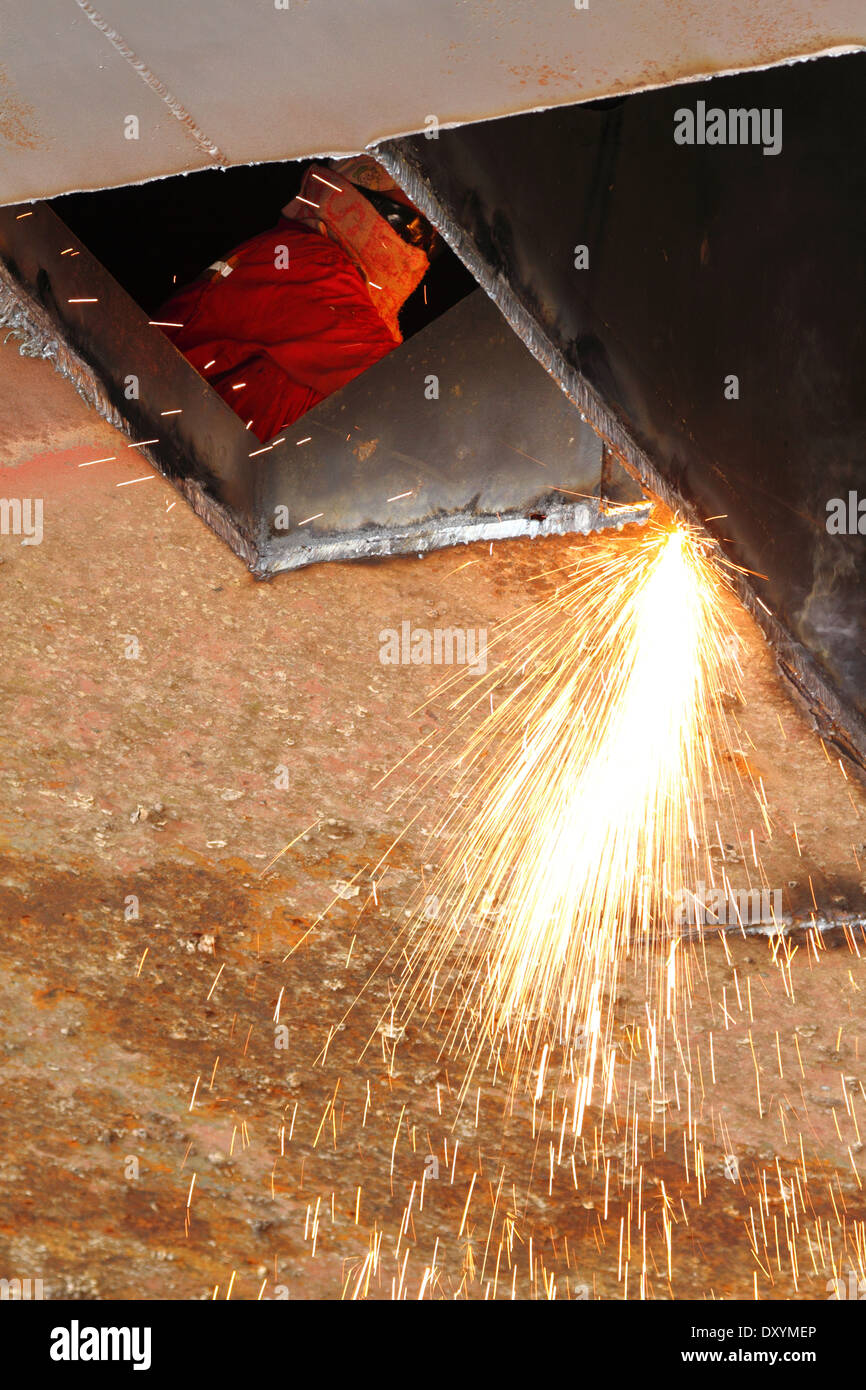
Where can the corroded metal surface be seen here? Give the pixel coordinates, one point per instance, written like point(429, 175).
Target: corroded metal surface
point(144, 936)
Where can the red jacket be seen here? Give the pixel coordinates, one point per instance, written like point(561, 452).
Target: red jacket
point(291, 335)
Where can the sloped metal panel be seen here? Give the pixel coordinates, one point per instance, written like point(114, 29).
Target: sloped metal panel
point(217, 82)
point(705, 262)
point(456, 436)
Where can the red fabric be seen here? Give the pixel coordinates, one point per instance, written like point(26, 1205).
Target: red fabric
point(331, 204)
point(293, 335)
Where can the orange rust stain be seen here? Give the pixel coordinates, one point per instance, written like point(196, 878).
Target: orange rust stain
point(17, 118)
point(744, 765)
point(47, 998)
point(366, 449)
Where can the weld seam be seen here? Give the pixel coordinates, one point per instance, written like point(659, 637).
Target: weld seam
point(177, 109)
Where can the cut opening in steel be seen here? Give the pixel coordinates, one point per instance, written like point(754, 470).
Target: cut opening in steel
point(457, 434)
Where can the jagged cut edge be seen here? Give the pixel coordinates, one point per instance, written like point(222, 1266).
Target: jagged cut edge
point(36, 335)
point(835, 719)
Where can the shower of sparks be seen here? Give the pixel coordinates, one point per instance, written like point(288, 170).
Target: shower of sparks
point(578, 817)
point(576, 772)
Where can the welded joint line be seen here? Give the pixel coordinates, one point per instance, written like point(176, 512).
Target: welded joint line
point(138, 65)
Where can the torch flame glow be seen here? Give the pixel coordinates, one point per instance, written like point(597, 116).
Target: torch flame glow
point(579, 809)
